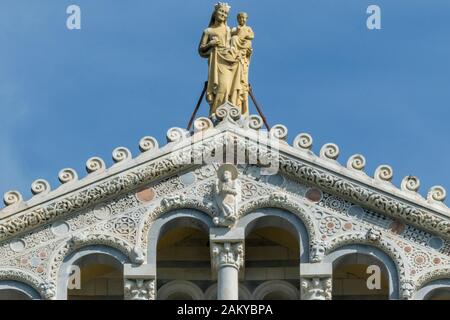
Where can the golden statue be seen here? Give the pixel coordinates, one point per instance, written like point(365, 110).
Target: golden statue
point(241, 40)
point(228, 54)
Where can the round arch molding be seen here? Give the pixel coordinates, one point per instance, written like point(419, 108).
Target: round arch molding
point(180, 287)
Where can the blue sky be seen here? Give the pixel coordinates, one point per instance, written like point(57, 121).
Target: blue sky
point(133, 70)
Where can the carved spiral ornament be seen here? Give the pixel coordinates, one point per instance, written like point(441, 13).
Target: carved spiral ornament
point(121, 154)
point(410, 183)
point(95, 164)
point(279, 132)
point(12, 197)
point(176, 134)
point(356, 162)
point(303, 141)
point(330, 151)
point(40, 187)
point(148, 144)
point(228, 112)
point(67, 175)
point(437, 193)
point(202, 124)
point(384, 173)
point(255, 122)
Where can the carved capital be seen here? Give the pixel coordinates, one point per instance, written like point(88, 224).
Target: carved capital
point(227, 254)
point(140, 289)
point(316, 281)
point(316, 288)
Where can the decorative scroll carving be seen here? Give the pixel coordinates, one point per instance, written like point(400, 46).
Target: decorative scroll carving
point(384, 173)
point(40, 187)
point(67, 175)
point(228, 113)
point(356, 162)
point(410, 183)
point(12, 197)
point(303, 141)
point(278, 132)
point(121, 154)
point(202, 124)
point(437, 194)
point(255, 122)
point(148, 144)
point(95, 164)
point(330, 151)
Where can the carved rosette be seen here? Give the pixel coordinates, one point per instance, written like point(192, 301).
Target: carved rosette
point(316, 288)
point(140, 289)
point(227, 255)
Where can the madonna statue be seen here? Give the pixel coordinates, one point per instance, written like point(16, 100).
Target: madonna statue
point(226, 70)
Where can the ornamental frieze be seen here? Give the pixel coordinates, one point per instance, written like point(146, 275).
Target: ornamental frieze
point(123, 223)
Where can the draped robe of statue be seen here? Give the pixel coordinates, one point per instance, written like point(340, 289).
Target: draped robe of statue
point(223, 66)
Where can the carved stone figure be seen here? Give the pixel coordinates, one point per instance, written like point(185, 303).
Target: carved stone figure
point(374, 235)
point(228, 54)
point(241, 40)
point(228, 195)
point(317, 251)
point(407, 289)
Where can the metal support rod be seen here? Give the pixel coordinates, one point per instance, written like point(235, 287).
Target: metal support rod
point(250, 91)
point(197, 106)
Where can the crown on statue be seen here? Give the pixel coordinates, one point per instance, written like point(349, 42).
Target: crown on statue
point(224, 5)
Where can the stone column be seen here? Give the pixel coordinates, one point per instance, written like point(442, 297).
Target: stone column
point(316, 281)
point(227, 259)
point(139, 282)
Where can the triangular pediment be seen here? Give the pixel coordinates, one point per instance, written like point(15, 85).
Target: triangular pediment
point(251, 145)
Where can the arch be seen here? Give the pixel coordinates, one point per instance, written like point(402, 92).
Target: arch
point(180, 287)
point(369, 251)
point(98, 253)
point(23, 289)
point(86, 240)
point(276, 286)
point(431, 275)
point(274, 217)
point(188, 217)
point(24, 278)
point(244, 293)
point(432, 287)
